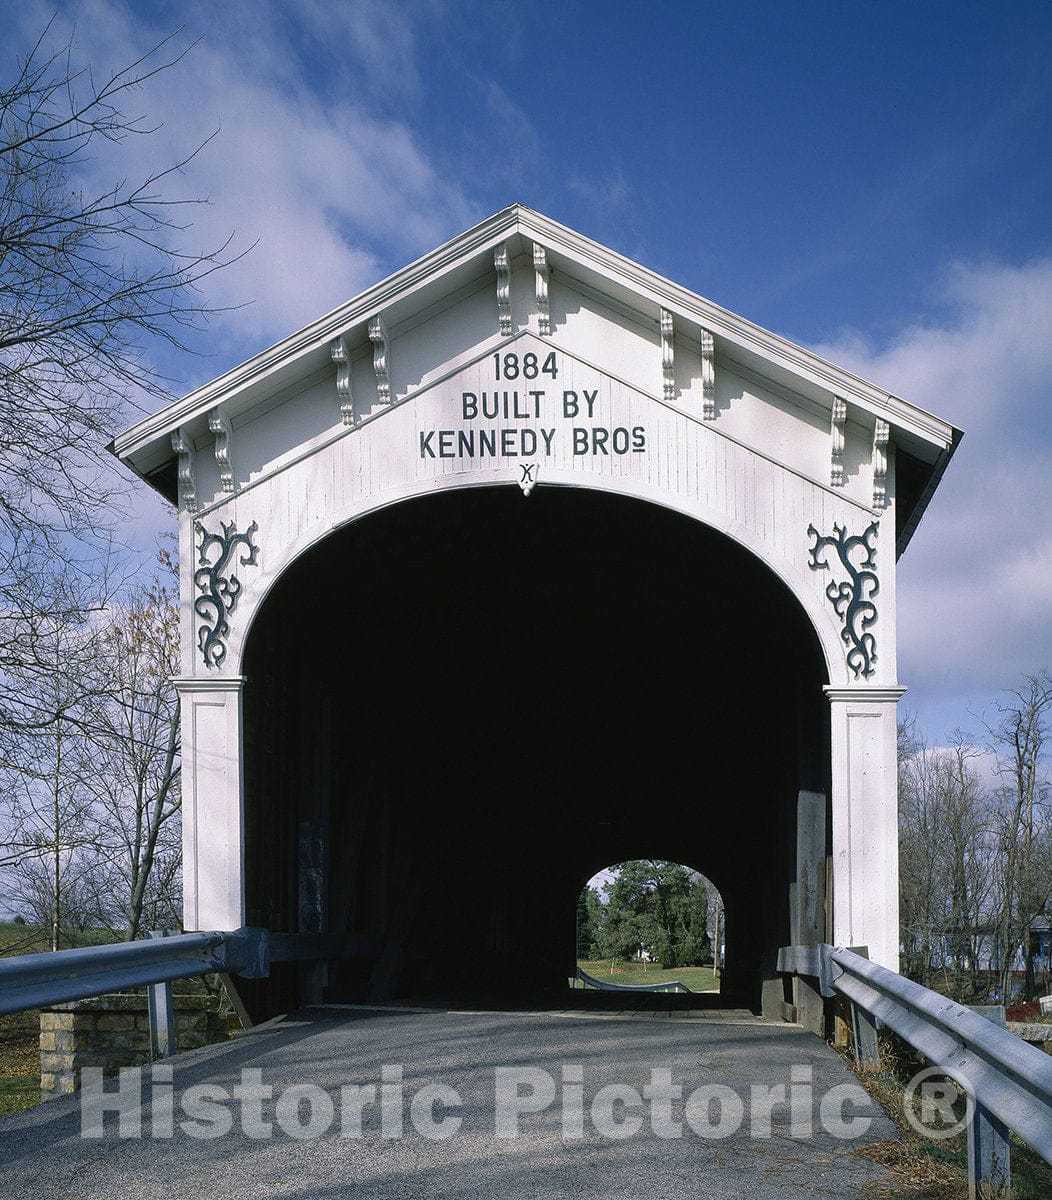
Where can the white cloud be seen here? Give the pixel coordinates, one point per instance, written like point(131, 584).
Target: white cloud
point(975, 585)
point(317, 158)
point(609, 195)
point(322, 158)
point(334, 189)
point(511, 125)
point(381, 38)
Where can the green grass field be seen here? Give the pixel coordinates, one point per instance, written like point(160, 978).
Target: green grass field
point(698, 979)
point(21, 939)
point(29, 939)
point(19, 1061)
point(20, 1032)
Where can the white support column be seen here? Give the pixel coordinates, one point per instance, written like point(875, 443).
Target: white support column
point(865, 820)
point(213, 803)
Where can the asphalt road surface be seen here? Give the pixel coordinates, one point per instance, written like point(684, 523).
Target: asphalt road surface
point(342, 1102)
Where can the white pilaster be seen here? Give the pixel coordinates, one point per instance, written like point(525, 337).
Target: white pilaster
point(865, 820)
point(213, 803)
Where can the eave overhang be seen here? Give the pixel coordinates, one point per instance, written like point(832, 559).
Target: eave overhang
point(929, 441)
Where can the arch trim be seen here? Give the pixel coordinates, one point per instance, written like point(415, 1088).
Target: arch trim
point(271, 570)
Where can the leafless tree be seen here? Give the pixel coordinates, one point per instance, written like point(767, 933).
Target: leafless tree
point(92, 832)
point(944, 861)
point(964, 851)
point(134, 737)
point(715, 923)
point(1019, 738)
point(47, 826)
point(92, 276)
point(919, 888)
point(975, 862)
point(89, 275)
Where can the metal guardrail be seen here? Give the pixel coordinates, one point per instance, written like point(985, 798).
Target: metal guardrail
point(37, 980)
point(603, 985)
point(61, 976)
point(1008, 1082)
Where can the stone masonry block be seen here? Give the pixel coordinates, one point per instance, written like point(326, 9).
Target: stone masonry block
point(123, 1022)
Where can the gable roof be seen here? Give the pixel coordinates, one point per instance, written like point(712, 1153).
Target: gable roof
point(924, 442)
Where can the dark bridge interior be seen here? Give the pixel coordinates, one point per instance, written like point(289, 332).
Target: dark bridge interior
point(461, 707)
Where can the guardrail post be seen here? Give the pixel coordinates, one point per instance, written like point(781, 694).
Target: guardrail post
point(989, 1156)
point(161, 1011)
point(863, 1027)
point(864, 1036)
point(989, 1144)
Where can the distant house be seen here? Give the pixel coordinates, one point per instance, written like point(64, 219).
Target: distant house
point(954, 951)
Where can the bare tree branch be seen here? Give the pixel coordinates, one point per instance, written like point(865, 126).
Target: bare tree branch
point(88, 278)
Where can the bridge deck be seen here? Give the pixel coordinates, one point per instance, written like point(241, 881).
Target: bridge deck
point(43, 1156)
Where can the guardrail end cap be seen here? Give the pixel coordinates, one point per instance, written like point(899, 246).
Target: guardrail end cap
point(247, 952)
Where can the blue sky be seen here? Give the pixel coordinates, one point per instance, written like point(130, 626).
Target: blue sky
point(871, 180)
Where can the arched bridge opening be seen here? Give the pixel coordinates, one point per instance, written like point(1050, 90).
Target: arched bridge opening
point(458, 707)
point(650, 923)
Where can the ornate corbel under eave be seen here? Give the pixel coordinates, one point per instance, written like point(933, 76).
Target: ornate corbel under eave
point(881, 434)
point(340, 356)
point(220, 587)
point(220, 426)
point(503, 269)
point(381, 367)
point(668, 356)
point(836, 433)
point(187, 486)
point(540, 269)
point(852, 601)
point(708, 376)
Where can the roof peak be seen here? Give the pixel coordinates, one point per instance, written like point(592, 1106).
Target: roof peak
point(464, 260)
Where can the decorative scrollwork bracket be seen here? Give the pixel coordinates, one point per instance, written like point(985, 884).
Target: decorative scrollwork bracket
point(219, 585)
point(668, 356)
point(381, 363)
point(502, 266)
point(541, 272)
point(708, 376)
point(852, 600)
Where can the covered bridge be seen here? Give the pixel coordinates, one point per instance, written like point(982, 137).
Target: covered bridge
point(523, 562)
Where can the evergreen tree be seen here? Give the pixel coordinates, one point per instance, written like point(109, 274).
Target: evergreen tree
point(658, 906)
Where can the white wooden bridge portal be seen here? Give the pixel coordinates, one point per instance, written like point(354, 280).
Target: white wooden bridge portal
point(523, 562)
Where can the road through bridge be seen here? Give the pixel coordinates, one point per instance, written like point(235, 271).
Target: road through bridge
point(477, 1104)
